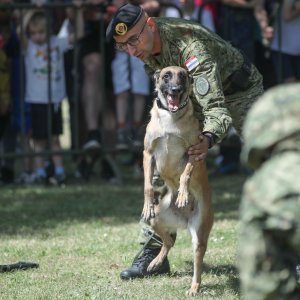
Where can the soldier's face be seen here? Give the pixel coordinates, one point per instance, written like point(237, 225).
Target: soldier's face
point(139, 40)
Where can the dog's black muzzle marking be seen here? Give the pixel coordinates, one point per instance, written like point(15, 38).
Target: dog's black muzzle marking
point(175, 90)
point(172, 84)
point(182, 105)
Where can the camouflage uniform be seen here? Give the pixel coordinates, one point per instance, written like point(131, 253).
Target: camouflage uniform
point(225, 83)
point(270, 209)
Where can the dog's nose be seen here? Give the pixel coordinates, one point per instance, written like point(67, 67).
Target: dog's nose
point(176, 89)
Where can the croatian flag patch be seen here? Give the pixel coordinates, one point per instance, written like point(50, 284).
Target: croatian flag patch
point(192, 63)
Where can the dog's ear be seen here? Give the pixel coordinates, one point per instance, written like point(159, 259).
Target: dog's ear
point(156, 75)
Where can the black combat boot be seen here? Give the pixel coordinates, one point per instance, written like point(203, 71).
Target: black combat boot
point(141, 263)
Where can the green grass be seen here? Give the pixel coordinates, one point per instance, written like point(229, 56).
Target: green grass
point(85, 234)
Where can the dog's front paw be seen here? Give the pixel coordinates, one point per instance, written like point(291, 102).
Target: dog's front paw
point(182, 198)
point(148, 211)
point(155, 263)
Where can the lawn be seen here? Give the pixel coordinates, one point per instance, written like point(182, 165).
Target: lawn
point(84, 234)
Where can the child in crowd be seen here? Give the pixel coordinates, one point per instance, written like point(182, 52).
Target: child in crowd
point(129, 76)
point(45, 104)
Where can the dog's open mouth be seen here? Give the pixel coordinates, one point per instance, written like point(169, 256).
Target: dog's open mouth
point(173, 102)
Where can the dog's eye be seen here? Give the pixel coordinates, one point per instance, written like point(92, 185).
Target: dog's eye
point(181, 75)
point(166, 76)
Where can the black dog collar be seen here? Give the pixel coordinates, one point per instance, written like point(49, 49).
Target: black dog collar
point(182, 105)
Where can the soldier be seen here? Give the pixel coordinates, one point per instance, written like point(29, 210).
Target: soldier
point(225, 83)
point(270, 209)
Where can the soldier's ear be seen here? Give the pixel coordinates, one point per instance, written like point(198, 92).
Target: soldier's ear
point(156, 76)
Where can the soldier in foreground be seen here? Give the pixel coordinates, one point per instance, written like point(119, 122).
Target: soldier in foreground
point(225, 85)
point(270, 209)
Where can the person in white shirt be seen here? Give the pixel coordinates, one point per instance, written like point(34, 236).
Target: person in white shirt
point(45, 87)
point(281, 35)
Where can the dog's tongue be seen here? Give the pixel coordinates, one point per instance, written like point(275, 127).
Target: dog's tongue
point(173, 102)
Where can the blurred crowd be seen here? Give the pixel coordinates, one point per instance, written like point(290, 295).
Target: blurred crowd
point(53, 54)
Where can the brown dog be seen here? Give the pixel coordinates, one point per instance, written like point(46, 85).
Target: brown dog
point(187, 202)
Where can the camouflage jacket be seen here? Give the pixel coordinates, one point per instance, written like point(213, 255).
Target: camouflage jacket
point(217, 60)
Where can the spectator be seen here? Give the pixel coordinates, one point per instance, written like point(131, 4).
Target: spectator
point(6, 173)
point(236, 24)
point(129, 75)
point(92, 64)
point(5, 97)
point(190, 11)
point(285, 47)
point(90, 110)
point(279, 23)
point(19, 129)
point(205, 14)
point(36, 91)
point(174, 11)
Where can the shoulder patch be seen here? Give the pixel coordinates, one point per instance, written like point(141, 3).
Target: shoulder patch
point(202, 85)
point(192, 63)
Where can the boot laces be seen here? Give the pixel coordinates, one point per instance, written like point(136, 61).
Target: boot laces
point(147, 256)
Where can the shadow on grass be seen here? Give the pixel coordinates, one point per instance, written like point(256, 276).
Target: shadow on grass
point(228, 270)
point(32, 210)
point(227, 192)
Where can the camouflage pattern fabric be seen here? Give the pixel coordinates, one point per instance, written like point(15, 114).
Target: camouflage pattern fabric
point(218, 60)
point(270, 121)
point(269, 247)
point(147, 235)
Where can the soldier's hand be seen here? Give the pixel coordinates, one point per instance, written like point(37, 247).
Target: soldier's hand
point(268, 33)
point(199, 151)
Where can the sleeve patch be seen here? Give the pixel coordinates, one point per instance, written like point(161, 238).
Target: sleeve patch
point(202, 85)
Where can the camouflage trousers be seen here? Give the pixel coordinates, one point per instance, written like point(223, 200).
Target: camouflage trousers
point(270, 249)
point(147, 237)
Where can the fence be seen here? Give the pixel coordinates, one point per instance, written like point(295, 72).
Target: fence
point(106, 152)
point(76, 149)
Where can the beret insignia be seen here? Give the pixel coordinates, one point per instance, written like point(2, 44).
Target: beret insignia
point(121, 29)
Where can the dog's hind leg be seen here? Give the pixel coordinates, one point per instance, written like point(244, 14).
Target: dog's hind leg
point(149, 201)
point(200, 231)
point(168, 242)
point(200, 239)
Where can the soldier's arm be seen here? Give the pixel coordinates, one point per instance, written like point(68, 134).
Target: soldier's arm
point(207, 89)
